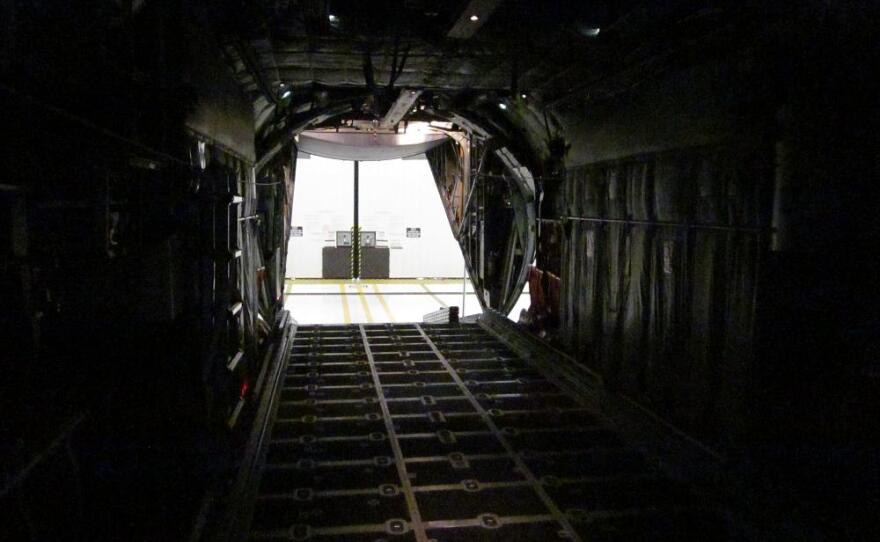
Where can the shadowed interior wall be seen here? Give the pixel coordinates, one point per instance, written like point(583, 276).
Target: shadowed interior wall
point(132, 152)
point(758, 339)
point(658, 279)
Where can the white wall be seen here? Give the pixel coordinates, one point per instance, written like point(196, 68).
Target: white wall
point(322, 204)
point(394, 195)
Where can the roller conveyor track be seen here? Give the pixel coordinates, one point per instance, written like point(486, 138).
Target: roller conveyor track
point(440, 432)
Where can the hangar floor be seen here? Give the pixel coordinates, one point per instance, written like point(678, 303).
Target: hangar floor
point(319, 301)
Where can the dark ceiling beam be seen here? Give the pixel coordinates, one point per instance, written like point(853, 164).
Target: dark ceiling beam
point(356, 62)
point(281, 52)
point(254, 68)
point(400, 107)
point(465, 28)
point(451, 88)
point(464, 71)
point(645, 60)
point(379, 44)
point(409, 79)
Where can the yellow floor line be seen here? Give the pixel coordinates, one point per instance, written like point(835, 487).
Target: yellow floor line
point(374, 281)
point(364, 303)
point(346, 312)
point(437, 299)
point(385, 306)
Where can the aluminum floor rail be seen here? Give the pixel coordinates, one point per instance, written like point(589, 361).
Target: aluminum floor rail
point(440, 432)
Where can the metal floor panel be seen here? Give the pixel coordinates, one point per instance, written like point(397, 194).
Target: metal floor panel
point(439, 432)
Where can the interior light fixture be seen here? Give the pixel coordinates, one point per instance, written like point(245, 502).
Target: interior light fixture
point(475, 18)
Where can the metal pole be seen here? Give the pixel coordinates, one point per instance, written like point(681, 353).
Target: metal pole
point(463, 288)
point(355, 234)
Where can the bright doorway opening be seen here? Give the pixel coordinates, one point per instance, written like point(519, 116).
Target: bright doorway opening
point(408, 261)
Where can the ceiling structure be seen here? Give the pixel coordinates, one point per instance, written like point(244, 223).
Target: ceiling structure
point(508, 65)
point(524, 72)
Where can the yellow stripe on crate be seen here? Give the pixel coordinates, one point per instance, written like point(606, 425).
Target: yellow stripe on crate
point(346, 312)
point(384, 303)
point(363, 298)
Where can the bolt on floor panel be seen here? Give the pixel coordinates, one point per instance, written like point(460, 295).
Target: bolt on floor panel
point(440, 432)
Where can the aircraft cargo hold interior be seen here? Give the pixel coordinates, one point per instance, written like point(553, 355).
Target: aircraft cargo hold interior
point(439, 271)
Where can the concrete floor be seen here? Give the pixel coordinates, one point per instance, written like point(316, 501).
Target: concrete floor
point(319, 301)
